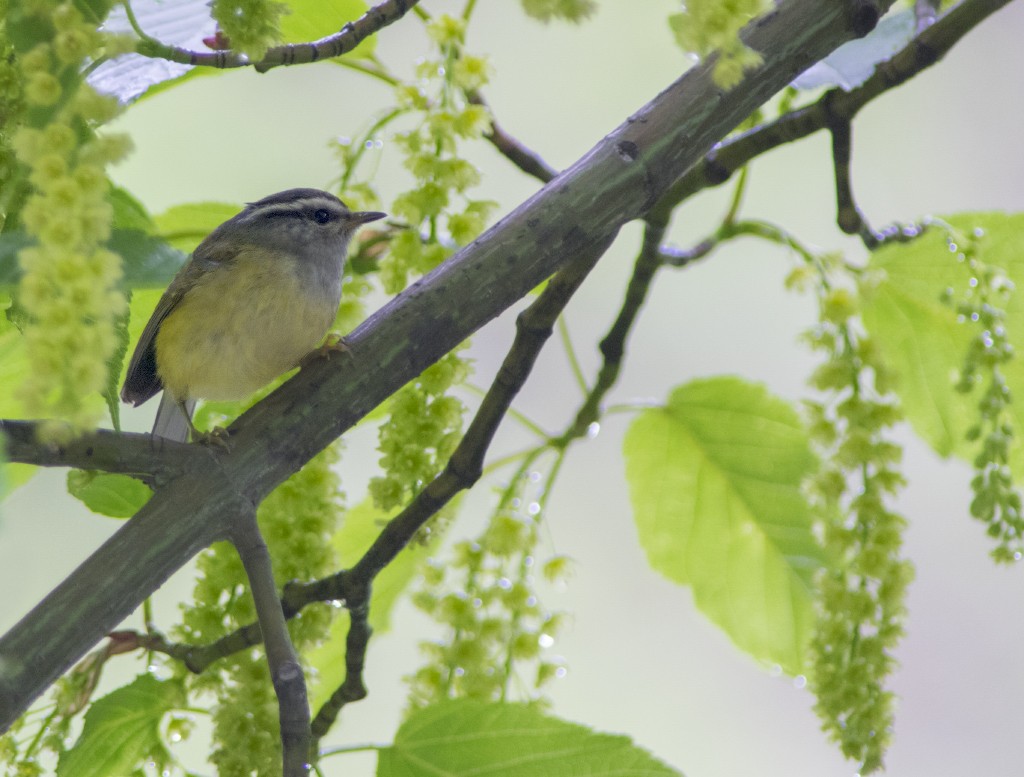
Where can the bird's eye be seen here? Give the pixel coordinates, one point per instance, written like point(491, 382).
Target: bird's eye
point(321, 216)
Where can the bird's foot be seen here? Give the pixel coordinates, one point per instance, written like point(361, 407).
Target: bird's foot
point(333, 343)
point(217, 437)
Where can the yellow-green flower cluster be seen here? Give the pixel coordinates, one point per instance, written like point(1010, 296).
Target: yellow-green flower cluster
point(861, 595)
point(982, 306)
point(297, 521)
point(69, 287)
point(251, 26)
point(708, 26)
point(437, 208)
point(496, 631)
point(423, 428)
point(12, 104)
point(570, 10)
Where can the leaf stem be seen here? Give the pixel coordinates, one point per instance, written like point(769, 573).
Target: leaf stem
point(570, 352)
point(377, 72)
point(353, 749)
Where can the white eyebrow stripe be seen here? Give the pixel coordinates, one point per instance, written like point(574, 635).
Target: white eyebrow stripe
point(295, 206)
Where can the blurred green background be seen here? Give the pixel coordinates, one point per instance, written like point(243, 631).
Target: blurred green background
point(641, 660)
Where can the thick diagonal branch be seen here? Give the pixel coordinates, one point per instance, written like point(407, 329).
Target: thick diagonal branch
point(617, 181)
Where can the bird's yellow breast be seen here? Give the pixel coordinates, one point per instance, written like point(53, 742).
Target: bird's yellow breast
point(241, 326)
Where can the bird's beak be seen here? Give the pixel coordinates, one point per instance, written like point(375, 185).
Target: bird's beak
point(365, 216)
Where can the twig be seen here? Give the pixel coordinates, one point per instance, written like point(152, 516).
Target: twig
point(849, 217)
point(350, 36)
point(196, 658)
point(613, 345)
point(352, 687)
point(922, 52)
point(527, 160)
point(570, 354)
point(285, 670)
point(152, 460)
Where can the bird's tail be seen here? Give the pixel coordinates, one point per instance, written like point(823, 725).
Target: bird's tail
point(170, 422)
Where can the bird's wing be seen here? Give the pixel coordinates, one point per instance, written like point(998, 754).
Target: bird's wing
point(142, 381)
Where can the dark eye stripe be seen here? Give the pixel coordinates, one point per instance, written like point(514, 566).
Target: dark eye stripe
point(283, 213)
point(314, 209)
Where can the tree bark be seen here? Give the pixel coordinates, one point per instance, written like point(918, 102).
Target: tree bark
point(618, 180)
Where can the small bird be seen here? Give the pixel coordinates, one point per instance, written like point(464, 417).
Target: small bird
point(256, 296)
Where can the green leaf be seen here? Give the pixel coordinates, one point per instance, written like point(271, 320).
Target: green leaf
point(185, 226)
point(140, 308)
point(17, 475)
point(156, 79)
point(149, 262)
point(115, 365)
point(25, 29)
point(118, 496)
point(10, 244)
point(714, 479)
point(14, 369)
point(129, 213)
point(5, 487)
point(310, 20)
point(122, 729)
point(94, 11)
point(361, 527)
point(920, 339)
point(460, 738)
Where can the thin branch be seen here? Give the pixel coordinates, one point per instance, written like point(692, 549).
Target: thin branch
point(921, 53)
point(849, 217)
point(570, 353)
point(773, 233)
point(524, 420)
point(652, 256)
point(374, 71)
point(533, 327)
point(352, 687)
point(527, 160)
point(197, 658)
point(613, 346)
point(285, 669)
point(737, 196)
point(342, 42)
point(153, 460)
point(134, 22)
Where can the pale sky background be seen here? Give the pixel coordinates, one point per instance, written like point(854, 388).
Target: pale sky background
point(642, 661)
